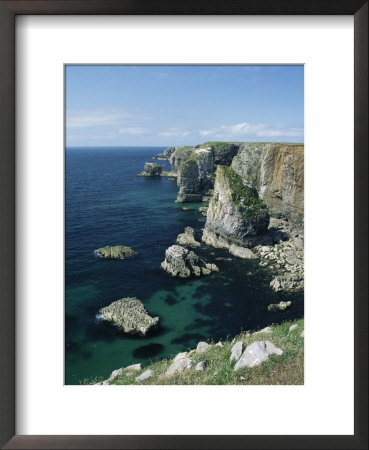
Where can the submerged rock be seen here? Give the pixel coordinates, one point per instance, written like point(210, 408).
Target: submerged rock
point(115, 252)
point(281, 306)
point(183, 263)
point(188, 238)
point(131, 315)
point(256, 353)
point(151, 170)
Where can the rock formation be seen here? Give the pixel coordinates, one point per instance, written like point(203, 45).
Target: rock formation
point(256, 353)
point(166, 154)
point(281, 306)
point(131, 315)
point(180, 155)
point(115, 252)
point(236, 214)
point(277, 172)
point(183, 263)
point(151, 170)
point(195, 175)
point(188, 238)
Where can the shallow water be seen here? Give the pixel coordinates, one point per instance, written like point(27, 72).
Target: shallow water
point(107, 204)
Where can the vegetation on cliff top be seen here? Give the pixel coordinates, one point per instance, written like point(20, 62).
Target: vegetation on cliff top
point(286, 369)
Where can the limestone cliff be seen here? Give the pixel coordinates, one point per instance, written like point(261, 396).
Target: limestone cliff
point(195, 175)
point(277, 172)
point(236, 215)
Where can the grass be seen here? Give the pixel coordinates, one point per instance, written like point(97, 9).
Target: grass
point(286, 369)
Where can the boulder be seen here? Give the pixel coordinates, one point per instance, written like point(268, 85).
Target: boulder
point(256, 353)
point(293, 327)
point(188, 238)
point(115, 252)
point(281, 306)
point(183, 263)
point(180, 363)
point(202, 347)
point(145, 375)
point(241, 252)
point(200, 366)
point(151, 170)
point(237, 350)
point(130, 315)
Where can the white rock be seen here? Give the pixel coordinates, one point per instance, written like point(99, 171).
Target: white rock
point(133, 367)
point(236, 351)
point(256, 353)
point(201, 347)
point(115, 374)
point(200, 366)
point(145, 375)
point(179, 364)
point(267, 330)
point(302, 334)
point(219, 344)
point(293, 327)
point(180, 356)
point(241, 252)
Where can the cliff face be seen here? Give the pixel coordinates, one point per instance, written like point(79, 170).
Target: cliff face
point(277, 172)
point(282, 181)
point(236, 215)
point(195, 175)
point(196, 167)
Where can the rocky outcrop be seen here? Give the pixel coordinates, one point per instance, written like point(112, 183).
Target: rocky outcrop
point(151, 170)
point(256, 353)
point(180, 363)
point(285, 258)
point(188, 238)
point(195, 175)
point(130, 315)
point(236, 215)
point(281, 306)
point(183, 263)
point(145, 375)
point(165, 155)
point(277, 172)
point(115, 252)
point(180, 155)
point(223, 152)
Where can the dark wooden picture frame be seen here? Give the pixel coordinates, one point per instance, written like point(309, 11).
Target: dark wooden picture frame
point(8, 12)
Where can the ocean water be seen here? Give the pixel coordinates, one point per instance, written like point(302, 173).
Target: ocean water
point(108, 204)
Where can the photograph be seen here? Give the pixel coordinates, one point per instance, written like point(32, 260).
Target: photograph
point(184, 224)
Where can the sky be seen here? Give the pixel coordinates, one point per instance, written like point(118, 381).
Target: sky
point(162, 105)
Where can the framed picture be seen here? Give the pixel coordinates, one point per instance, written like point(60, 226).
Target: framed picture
point(158, 254)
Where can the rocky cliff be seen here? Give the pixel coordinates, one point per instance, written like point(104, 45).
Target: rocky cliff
point(236, 215)
point(277, 172)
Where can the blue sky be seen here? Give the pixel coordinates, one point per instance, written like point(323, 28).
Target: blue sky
point(183, 105)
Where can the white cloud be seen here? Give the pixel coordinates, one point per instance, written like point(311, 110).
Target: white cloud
point(98, 117)
point(174, 132)
point(247, 129)
point(133, 130)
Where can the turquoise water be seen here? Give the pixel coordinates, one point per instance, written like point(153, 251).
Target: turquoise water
point(107, 204)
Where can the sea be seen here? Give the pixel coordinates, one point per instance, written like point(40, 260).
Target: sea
point(106, 203)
